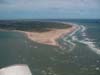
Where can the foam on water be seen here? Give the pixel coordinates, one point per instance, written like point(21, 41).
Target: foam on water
point(87, 41)
point(83, 28)
point(83, 34)
point(91, 45)
point(74, 38)
point(78, 28)
point(69, 41)
point(72, 45)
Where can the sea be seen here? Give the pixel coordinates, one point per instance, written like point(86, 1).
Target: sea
point(78, 53)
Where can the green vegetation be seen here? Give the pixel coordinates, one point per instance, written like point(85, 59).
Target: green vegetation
point(38, 26)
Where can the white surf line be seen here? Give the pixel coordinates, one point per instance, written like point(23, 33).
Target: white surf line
point(70, 35)
point(83, 28)
point(72, 45)
point(74, 38)
point(87, 41)
point(91, 45)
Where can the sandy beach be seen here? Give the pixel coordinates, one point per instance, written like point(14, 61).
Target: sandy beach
point(50, 37)
point(47, 37)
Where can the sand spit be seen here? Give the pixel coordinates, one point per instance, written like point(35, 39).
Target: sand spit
point(51, 36)
point(47, 37)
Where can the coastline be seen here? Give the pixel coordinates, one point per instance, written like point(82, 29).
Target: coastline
point(50, 37)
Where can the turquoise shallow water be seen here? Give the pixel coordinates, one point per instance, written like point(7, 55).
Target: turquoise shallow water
point(16, 48)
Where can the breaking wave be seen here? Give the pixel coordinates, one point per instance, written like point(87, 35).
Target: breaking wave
point(84, 39)
point(87, 41)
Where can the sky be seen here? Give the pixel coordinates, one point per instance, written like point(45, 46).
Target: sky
point(49, 9)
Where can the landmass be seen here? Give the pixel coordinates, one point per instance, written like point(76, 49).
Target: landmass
point(40, 32)
point(49, 37)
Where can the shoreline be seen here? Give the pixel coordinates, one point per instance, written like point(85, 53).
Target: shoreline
point(50, 37)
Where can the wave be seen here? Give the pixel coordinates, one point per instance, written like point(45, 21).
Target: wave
point(74, 38)
point(69, 41)
point(83, 28)
point(72, 45)
point(91, 45)
point(85, 40)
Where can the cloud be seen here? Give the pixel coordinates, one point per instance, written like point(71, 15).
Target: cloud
point(54, 7)
point(50, 4)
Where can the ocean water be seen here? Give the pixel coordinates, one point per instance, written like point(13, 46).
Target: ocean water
point(79, 53)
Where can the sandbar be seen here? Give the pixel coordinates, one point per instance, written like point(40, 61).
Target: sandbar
point(50, 37)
